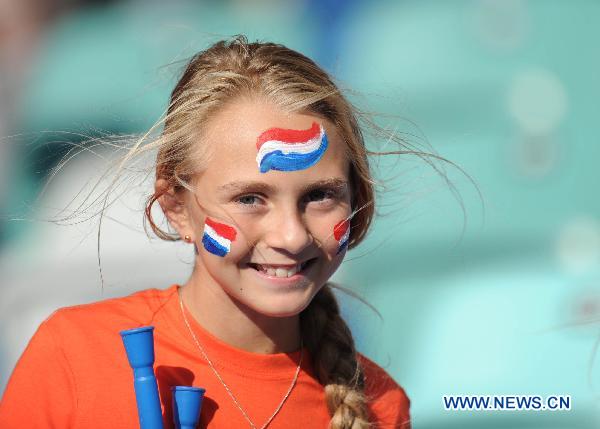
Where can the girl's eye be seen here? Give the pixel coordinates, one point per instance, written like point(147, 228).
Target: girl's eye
point(319, 195)
point(248, 200)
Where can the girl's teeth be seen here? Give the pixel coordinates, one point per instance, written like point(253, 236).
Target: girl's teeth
point(280, 272)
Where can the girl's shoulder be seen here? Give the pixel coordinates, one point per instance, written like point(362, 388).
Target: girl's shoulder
point(138, 307)
point(388, 401)
point(91, 325)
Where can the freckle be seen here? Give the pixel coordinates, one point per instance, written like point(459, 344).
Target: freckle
point(241, 289)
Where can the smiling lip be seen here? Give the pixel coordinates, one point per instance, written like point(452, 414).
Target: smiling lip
point(281, 280)
point(300, 275)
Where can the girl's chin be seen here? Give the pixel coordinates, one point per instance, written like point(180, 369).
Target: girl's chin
point(280, 312)
point(278, 305)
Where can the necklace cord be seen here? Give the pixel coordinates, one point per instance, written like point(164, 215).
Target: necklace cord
point(229, 392)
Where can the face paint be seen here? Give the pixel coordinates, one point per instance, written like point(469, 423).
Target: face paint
point(217, 237)
point(290, 150)
point(341, 232)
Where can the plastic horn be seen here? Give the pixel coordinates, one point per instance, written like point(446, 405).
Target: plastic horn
point(187, 402)
point(139, 345)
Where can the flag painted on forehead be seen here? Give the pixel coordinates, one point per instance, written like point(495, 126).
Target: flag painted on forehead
point(290, 150)
point(217, 237)
point(341, 233)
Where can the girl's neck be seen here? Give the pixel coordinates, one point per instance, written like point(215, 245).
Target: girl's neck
point(237, 325)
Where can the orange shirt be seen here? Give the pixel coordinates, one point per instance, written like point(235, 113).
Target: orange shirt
point(74, 374)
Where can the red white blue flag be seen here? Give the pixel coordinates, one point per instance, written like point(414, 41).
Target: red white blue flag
point(290, 150)
point(217, 237)
point(341, 233)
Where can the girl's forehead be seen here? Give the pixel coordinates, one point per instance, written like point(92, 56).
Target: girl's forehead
point(255, 140)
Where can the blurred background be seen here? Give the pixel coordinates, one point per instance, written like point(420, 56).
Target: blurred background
point(491, 290)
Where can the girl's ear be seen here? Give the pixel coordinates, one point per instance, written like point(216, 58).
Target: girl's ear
point(174, 207)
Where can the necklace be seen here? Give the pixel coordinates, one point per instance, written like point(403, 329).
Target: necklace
point(235, 401)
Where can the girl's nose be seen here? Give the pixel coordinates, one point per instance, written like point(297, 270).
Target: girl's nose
point(287, 231)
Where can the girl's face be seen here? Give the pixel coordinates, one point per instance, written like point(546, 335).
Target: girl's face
point(268, 224)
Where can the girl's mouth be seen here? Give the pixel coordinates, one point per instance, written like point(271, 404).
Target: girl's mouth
point(282, 271)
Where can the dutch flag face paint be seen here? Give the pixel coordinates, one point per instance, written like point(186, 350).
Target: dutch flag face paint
point(217, 237)
point(341, 233)
point(290, 150)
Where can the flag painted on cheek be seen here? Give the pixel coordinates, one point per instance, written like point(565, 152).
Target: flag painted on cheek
point(217, 237)
point(290, 150)
point(341, 233)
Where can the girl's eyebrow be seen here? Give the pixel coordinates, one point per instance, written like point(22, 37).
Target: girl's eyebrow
point(332, 183)
point(255, 186)
point(241, 186)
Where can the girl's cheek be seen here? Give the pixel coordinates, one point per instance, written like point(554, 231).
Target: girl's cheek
point(218, 238)
point(341, 235)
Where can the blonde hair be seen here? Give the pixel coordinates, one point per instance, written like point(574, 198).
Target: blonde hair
point(232, 69)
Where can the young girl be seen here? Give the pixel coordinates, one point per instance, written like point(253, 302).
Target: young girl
point(262, 169)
